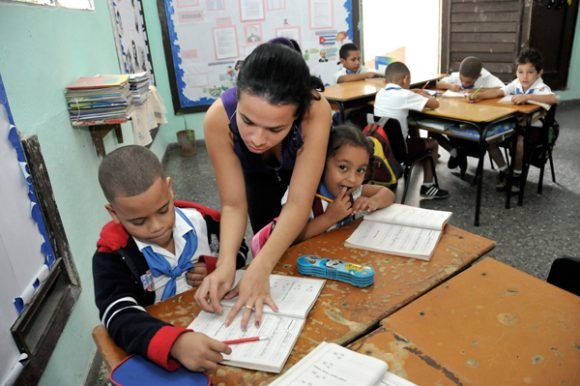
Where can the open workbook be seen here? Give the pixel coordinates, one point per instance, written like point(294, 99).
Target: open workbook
point(400, 230)
point(294, 296)
point(508, 100)
point(330, 364)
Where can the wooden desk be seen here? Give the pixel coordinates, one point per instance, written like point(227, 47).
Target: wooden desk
point(342, 312)
point(490, 325)
point(480, 115)
point(353, 94)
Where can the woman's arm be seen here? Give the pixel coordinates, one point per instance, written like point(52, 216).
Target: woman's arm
point(254, 287)
point(234, 210)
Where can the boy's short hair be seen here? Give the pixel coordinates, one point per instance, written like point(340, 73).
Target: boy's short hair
point(346, 49)
point(128, 171)
point(396, 71)
point(470, 67)
point(532, 56)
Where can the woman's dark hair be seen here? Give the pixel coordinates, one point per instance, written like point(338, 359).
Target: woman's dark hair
point(532, 56)
point(346, 134)
point(280, 75)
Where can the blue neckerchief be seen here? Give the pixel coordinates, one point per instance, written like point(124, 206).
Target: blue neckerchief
point(520, 91)
point(160, 266)
point(350, 72)
point(323, 191)
point(467, 87)
point(392, 88)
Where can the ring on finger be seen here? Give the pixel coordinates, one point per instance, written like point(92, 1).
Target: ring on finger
point(247, 306)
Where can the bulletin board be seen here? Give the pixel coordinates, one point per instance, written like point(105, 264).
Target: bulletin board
point(205, 40)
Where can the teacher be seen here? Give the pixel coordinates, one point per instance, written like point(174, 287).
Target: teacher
point(267, 134)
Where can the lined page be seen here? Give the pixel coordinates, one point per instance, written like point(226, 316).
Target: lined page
point(411, 216)
point(266, 355)
point(332, 365)
point(294, 295)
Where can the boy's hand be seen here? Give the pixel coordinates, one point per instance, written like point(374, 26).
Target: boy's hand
point(195, 276)
point(340, 207)
point(520, 99)
point(198, 352)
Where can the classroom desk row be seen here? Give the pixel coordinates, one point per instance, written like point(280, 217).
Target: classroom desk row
point(342, 313)
point(481, 115)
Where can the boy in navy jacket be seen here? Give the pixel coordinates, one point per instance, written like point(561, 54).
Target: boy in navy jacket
point(153, 248)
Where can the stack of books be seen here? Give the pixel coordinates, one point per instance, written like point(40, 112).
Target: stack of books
point(139, 87)
point(98, 100)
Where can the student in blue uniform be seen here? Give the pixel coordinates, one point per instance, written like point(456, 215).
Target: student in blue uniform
point(152, 249)
point(528, 86)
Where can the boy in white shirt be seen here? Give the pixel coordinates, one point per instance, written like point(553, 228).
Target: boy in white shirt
point(394, 101)
point(470, 77)
point(351, 65)
point(527, 86)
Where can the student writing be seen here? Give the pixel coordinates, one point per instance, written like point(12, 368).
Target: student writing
point(470, 78)
point(394, 101)
point(152, 249)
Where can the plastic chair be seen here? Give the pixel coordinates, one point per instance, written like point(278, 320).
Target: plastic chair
point(565, 273)
point(399, 146)
point(538, 151)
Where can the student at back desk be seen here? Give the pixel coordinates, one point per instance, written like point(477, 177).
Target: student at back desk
point(528, 86)
point(394, 101)
point(352, 69)
point(470, 77)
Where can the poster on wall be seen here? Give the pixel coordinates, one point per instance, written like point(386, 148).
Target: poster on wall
point(206, 40)
point(131, 37)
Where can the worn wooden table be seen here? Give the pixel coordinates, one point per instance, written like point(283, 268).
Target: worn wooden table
point(490, 325)
point(342, 312)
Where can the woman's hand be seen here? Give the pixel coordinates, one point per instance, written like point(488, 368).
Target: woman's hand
point(213, 288)
point(254, 293)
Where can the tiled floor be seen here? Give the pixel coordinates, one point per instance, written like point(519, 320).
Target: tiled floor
point(528, 237)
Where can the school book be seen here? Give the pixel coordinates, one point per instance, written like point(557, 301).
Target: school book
point(294, 296)
point(401, 230)
point(138, 371)
point(330, 364)
point(508, 101)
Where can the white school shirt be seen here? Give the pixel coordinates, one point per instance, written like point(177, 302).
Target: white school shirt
point(344, 71)
point(537, 88)
point(179, 229)
point(355, 194)
point(486, 80)
point(393, 101)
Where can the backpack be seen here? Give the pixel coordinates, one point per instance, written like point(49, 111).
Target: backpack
point(540, 154)
point(384, 167)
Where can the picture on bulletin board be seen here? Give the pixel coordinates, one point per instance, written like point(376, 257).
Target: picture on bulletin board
point(131, 37)
point(205, 41)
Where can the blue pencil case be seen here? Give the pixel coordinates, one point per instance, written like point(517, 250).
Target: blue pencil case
point(138, 371)
point(351, 273)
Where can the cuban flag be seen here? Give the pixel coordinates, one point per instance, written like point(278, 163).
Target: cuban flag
point(326, 38)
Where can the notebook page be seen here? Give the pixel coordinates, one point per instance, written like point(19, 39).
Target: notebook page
point(266, 355)
point(293, 295)
point(453, 94)
point(410, 216)
point(332, 365)
point(391, 379)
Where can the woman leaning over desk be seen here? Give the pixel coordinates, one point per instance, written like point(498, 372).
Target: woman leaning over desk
point(269, 132)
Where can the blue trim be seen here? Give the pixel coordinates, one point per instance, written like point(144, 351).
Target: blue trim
point(14, 140)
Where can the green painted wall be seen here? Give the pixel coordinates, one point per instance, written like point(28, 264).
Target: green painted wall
point(41, 51)
point(573, 88)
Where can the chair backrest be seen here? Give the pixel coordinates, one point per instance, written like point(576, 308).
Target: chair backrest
point(542, 146)
point(395, 133)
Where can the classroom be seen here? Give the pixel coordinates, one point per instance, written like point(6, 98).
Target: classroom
point(47, 45)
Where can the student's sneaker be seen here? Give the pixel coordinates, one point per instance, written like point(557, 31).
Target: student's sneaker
point(433, 192)
point(516, 183)
point(500, 181)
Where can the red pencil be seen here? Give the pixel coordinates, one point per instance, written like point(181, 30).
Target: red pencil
point(244, 340)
